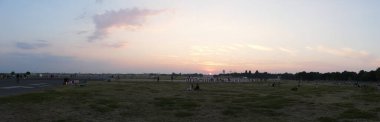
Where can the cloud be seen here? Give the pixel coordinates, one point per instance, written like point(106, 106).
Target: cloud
point(309, 48)
point(343, 52)
point(260, 48)
point(45, 62)
point(81, 32)
point(116, 45)
point(82, 16)
point(32, 45)
point(211, 63)
point(207, 51)
point(289, 51)
point(123, 18)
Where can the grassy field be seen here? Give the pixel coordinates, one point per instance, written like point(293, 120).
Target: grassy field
point(170, 102)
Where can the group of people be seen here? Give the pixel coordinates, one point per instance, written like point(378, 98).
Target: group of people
point(192, 88)
point(67, 81)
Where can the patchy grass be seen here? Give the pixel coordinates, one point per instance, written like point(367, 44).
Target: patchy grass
point(183, 114)
point(169, 101)
point(327, 119)
point(344, 104)
point(376, 109)
point(355, 113)
point(230, 112)
point(368, 97)
point(369, 89)
point(32, 98)
point(104, 105)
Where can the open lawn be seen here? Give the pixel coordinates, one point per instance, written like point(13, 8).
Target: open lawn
point(170, 102)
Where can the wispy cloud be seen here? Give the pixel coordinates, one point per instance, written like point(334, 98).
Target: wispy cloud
point(81, 32)
point(202, 51)
point(288, 51)
point(45, 62)
point(211, 63)
point(82, 16)
point(260, 48)
point(123, 18)
point(32, 45)
point(343, 52)
point(309, 48)
point(116, 45)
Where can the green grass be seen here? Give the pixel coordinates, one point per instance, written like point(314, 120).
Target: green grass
point(183, 114)
point(104, 105)
point(376, 109)
point(355, 113)
point(230, 112)
point(344, 104)
point(327, 119)
point(31, 98)
point(169, 101)
point(368, 97)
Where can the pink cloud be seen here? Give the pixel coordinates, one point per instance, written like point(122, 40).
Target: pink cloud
point(260, 48)
point(123, 18)
point(343, 52)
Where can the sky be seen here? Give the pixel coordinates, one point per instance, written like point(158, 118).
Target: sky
point(188, 36)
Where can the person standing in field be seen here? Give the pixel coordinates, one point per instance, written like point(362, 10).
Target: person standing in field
point(158, 78)
point(18, 78)
point(196, 87)
point(65, 81)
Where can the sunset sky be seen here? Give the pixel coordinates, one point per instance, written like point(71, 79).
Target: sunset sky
point(205, 36)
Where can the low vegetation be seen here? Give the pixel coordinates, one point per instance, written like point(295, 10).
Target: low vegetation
point(171, 102)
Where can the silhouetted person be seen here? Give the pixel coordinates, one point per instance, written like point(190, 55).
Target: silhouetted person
point(294, 89)
point(18, 78)
point(158, 78)
point(197, 87)
point(171, 78)
point(65, 81)
point(191, 87)
point(357, 84)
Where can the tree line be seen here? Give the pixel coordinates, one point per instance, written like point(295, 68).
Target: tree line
point(373, 75)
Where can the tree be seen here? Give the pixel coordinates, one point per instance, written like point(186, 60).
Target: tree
point(363, 75)
point(245, 73)
point(250, 74)
point(27, 73)
point(378, 74)
point(301, 75)
point(265, 76)
point(257, 75)
point(13, 73)
point(372, 75)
